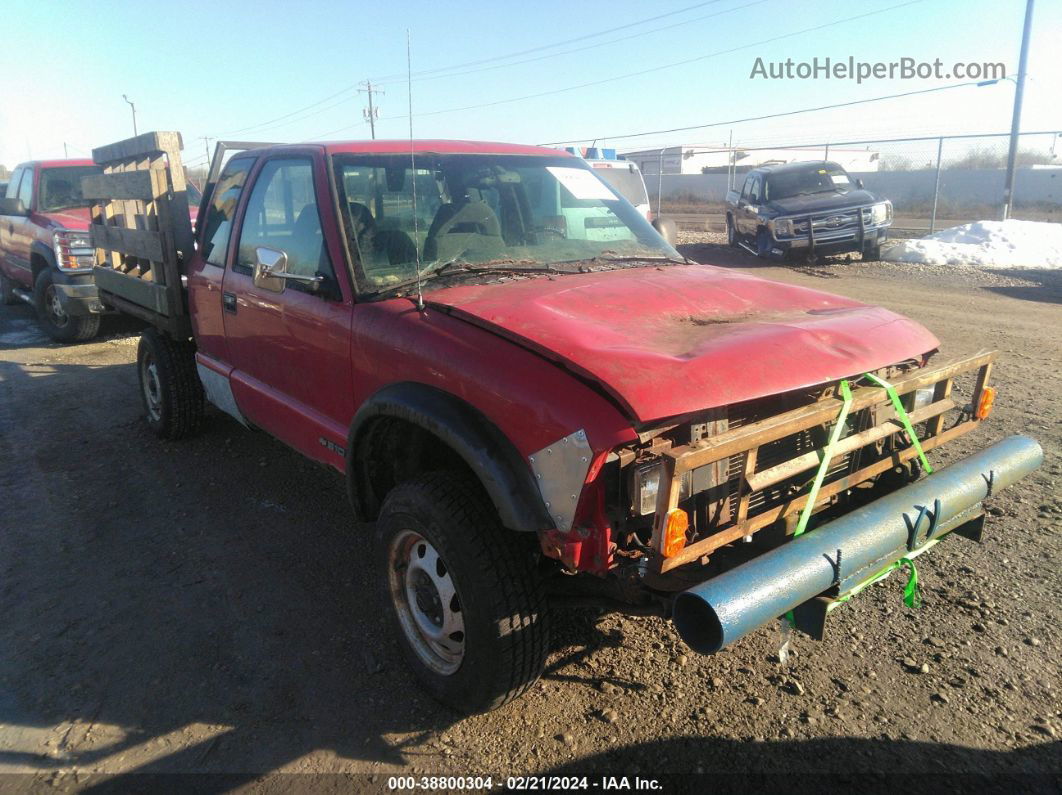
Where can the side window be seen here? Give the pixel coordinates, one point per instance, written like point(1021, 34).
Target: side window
point(222, 208)
point(754, 191)
point(12, 186)
point(282, 214)
point(25, 190)
point(746, 187)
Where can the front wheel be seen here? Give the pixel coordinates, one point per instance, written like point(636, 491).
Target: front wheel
point(169, 385)
point(462, 593)
point(53, 318)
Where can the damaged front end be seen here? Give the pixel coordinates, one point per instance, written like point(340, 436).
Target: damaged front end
point(693, 499)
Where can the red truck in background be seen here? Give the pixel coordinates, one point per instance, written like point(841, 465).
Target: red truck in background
point(535, 398)
point(46, 257)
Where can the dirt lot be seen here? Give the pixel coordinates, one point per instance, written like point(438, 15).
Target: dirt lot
point(206, 605)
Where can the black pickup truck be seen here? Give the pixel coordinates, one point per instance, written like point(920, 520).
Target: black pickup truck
point(806, 210)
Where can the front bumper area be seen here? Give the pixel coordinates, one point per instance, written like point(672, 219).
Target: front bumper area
point(79, 299)
point(820, 570)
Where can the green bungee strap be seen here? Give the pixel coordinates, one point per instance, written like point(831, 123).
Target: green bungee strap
point(902, 414)
point(827, 455)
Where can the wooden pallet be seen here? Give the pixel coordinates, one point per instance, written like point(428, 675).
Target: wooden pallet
point(141, 229)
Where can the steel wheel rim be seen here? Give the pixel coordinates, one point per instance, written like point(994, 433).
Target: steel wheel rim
point(149, 380)
point(54, 307)
point(426, 602)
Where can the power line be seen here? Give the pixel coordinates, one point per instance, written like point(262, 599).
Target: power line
point(584, 37)
point(547, 56)
point(650, 70)
point(764, 117)
point(398, 78)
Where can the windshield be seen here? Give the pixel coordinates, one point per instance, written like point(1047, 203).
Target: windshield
point(516, 212)
point(816, 178)
point(627, 181)
point(60, 188)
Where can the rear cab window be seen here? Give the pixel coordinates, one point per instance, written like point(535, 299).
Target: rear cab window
point(223, 201)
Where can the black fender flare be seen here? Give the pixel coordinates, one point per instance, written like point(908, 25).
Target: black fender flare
point(504, 474)
point(48, 255)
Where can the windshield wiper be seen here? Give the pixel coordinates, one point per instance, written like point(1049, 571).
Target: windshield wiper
point(453, 267)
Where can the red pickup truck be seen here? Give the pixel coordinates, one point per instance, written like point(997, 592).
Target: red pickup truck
point(45, 253)
point(539, 402)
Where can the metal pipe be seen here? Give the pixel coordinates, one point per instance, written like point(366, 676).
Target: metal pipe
point(849, 549)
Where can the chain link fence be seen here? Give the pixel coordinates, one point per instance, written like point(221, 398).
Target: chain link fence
point(933, 182)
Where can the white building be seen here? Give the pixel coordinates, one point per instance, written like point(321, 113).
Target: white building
point(701, 159)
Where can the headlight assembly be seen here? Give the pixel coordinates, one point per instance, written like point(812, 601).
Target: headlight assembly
point(646, 482)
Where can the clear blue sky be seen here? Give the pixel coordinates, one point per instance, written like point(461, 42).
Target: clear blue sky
point(224, 68)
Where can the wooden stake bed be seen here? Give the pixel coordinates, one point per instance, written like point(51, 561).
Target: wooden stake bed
point(141, 229)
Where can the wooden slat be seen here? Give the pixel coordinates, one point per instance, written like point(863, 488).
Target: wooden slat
point(746, 488)
point(942, 391)
point(142, 243)
point(737, 441)
point(802, 463)
point(143, 185)
point(149, 143)
point(149, 295)
point(713, 542)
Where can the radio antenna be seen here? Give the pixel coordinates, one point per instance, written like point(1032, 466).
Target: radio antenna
point(413, 170)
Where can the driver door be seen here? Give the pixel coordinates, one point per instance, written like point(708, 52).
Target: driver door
point(289, 342)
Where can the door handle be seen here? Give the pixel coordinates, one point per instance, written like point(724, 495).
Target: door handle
point(228, 302)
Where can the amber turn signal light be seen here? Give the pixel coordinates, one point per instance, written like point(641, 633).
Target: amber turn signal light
point(985, 402)
point(678, 522)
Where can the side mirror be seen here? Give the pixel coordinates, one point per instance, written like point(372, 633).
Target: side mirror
point(271, 271)
point(13, 207)
point(859, 184)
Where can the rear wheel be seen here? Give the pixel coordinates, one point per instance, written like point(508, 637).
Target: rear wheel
point(169, 385)
point(731, 232)
point(53, 317)
point(462, 593)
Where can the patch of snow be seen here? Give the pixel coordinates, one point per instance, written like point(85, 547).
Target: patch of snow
point(987, 244)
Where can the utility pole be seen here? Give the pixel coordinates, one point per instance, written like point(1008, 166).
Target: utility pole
point(65, 153)
point(371, 113)
point(131, 105)
point(1015, 125)
point(206, 148)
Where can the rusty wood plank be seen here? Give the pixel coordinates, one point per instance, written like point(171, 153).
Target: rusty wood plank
point(143, 185)
point(140, 243)
point(740, 439)
point(746, 486)
point(982, 382)
point(149, 143)
point(802, 463)
point(713, 542)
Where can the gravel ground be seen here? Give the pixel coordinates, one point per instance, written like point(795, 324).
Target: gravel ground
point(205, 606)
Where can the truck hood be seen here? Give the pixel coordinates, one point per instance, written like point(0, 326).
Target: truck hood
point(670, 341)
point(819, 202)
point(76, 218)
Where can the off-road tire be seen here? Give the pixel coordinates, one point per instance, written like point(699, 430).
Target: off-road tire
point(7, 291)
point(732, 237)
point(872, 253)
point(505, 613)
point(61, 328)
point(172, 393)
